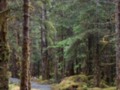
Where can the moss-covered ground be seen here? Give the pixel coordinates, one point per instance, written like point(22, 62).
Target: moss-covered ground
point(80, 82)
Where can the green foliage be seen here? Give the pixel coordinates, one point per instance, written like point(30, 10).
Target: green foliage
point(69, 25)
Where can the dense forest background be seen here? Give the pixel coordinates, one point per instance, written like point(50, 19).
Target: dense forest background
point(65, 38)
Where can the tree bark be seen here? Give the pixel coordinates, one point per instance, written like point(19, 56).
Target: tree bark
point(118, 44)
point(4, 49)
point(25, 74)
point(15, 56)
point(88, 63)
point(44, 44)
point(96, 62)
point(15, 67)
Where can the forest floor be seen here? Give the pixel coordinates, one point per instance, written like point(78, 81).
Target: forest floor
point(79, 82)
point(14, 85)
point(68, 83)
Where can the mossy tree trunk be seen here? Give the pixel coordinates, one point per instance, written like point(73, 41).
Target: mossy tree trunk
point(15, 55)
point(25, 75)
point(118, 44)
point(4, 50)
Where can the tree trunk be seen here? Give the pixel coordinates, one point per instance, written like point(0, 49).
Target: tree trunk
point(61, 60)
point(96, 63)
point(4, 50)
point(61, 54)
point(15, 67)
point(88, 63)
point(70, 68)
point(44, 45)
point(15, 56)
point(118, 44)
point(56, 67)
point(25, 75)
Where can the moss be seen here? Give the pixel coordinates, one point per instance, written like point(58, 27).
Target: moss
point(109, 88)
point(81, 81)
point(103, 84)
point(13, 87)
point(70, 82)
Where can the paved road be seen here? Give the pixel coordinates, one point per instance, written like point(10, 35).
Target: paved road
point(34, 85)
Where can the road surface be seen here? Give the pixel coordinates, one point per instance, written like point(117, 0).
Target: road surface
point(34, 85)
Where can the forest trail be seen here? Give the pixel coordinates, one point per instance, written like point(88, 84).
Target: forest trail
point(34, 85)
